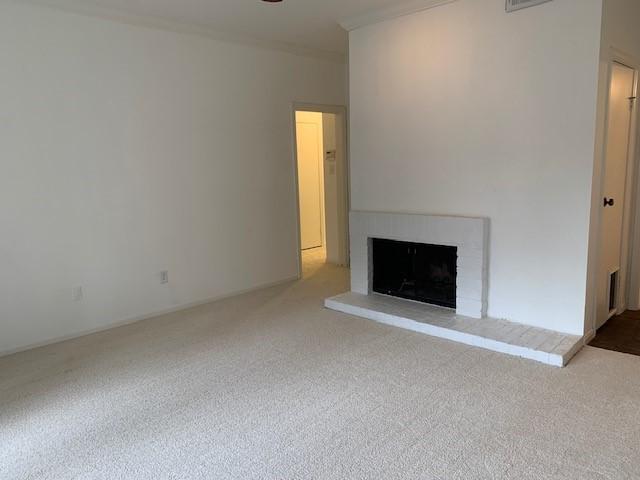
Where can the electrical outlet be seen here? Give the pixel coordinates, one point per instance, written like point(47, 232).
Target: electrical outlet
point(164, 277)
point(77, 294)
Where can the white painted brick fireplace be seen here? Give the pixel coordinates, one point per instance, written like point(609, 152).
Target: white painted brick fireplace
point(469, 235)
point(469, 323)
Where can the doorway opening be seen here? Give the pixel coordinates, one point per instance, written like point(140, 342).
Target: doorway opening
point(615, 271)
point(322, 185)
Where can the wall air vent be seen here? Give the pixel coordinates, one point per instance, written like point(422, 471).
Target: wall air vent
point(513, 5)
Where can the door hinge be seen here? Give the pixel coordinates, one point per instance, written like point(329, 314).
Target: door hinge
point(632, 101)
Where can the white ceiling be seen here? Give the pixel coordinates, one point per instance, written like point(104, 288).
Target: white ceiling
point(311, 24)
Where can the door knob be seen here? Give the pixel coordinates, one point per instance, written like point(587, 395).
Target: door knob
point(609, 202)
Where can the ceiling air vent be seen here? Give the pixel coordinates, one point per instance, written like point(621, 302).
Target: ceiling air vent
point(513, 5)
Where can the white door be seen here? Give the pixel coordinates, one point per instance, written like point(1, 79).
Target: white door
point(310, 180)
point(615, 179)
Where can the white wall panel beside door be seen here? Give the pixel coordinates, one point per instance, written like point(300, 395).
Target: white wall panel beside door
point(124, 155)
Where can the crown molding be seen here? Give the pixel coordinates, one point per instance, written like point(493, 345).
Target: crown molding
point(388, 13)
point(160, 23)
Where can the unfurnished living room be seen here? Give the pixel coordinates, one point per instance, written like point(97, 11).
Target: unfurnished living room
point(319, 239)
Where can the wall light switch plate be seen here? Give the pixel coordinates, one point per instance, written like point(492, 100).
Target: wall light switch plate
point(164, 277)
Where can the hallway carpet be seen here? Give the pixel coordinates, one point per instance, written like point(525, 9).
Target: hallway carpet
point(270, 385)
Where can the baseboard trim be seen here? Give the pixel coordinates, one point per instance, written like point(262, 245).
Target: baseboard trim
point(139, 318)
point(589, 336)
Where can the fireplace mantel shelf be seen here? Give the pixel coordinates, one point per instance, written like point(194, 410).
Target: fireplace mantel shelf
point(552, 348)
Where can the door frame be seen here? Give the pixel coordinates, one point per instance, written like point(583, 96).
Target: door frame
point(630, 225)
point(345, 204)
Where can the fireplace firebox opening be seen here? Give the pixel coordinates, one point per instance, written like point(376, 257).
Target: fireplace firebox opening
point(415, 271)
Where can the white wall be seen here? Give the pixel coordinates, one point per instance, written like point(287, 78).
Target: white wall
point(620, 35)
point(125, 151)
point(466, 110)
point(620, 25)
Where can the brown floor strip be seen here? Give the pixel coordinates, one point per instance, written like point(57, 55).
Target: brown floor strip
point(620, 334)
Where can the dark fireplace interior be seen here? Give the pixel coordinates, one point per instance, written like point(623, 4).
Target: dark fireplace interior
point(415, 271)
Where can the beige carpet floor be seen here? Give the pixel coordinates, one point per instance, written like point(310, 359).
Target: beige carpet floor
point(272, 386)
